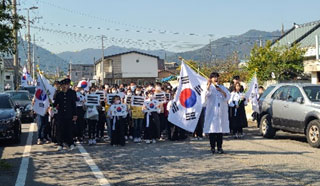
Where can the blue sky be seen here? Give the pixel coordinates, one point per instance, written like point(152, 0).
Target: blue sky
point(157, 24)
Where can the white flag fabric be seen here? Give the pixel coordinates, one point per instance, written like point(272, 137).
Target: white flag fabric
point(44, 91)
point(84, 84)
point(252, 94)
point(187, 104)
point(26, 77)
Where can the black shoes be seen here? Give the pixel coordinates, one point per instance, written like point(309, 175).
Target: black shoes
point(213, 151)
point(220, 151)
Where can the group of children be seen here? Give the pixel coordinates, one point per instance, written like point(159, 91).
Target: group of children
point(136, 122)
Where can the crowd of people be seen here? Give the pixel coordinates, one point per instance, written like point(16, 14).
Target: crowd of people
point(67, 121)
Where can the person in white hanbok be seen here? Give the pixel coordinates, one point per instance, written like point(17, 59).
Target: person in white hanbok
point(216, 118)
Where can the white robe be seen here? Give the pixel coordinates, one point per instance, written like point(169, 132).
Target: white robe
point(217, 115)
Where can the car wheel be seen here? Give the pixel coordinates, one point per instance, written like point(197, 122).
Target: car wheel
point(266, 130)
point(313, 133)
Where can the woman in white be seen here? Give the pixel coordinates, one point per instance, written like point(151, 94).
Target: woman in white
point(238, 119)
point(216, 119)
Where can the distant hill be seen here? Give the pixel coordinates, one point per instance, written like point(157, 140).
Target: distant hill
point(224, 47)
point(87, 56)
point(220, 49)
point(48, 61)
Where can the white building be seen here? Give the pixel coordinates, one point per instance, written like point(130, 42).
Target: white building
point(127, 67)
point(6, 74)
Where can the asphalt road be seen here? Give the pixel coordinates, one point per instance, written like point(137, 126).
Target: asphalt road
point(285, 160)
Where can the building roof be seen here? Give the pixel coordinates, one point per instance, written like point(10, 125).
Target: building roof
point(124, 53)
point(82, 64)
point(8, 63)
point(304, 34)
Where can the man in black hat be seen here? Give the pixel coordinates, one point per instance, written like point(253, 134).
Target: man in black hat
point(65, 102)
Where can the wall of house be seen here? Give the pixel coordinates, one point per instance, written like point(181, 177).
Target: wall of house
point(137, 65)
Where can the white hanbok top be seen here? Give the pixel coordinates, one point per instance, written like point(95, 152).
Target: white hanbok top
point(217, 115)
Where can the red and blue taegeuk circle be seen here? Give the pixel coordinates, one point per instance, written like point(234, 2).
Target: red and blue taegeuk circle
point(119, 109)
point(40, 95)
point(151, 105)
point(84, 84)
point(188, 98)
point(24, 77)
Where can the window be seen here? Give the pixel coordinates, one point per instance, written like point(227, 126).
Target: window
point(281, 93)
point(267, 91)
point(313, 93)
point(294, 93)
point(8, 78)
point(5, 102)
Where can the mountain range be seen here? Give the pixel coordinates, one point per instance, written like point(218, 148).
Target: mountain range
point(221, 48)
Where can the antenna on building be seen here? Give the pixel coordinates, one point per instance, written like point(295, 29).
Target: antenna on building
point(282, 29)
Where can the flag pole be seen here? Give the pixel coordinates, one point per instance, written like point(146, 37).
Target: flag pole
point(194, 68)
point(44, 86)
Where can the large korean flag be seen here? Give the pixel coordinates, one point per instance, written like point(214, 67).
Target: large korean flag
point(44, 91)
point(187, 104)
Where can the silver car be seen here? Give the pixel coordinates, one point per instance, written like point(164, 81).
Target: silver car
point(291, 107)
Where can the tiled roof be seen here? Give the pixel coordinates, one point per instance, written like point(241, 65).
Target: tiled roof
point(99, 60)
point(304, 34)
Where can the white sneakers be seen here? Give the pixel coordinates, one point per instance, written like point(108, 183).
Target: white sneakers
point(154, 141)
point(72, 147)
point(148, 141)
point(59, 148)
point(92, 142)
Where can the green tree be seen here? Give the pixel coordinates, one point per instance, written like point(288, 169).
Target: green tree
point(286, 63)
point(7, 27)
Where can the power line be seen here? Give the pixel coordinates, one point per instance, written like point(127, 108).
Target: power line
point(147, 30)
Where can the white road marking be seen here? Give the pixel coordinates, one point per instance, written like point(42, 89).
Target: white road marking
point(94, 168)
point(22, 175)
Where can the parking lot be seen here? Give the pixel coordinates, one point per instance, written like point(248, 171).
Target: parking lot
point(285, 160)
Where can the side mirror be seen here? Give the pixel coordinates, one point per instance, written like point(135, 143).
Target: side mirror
point(300, 100)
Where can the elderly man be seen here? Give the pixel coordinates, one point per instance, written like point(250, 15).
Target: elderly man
point(216, 117)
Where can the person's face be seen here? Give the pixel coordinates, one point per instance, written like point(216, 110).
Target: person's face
point(236, 81)
point(238, 87)
point(215, 79)
point(260, 91)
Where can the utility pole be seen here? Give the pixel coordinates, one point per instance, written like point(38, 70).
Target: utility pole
point(102, 61)
point(33, 57)
point(15, 45)
point(29, 43)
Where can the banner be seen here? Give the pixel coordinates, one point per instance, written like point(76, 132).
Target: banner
point(152, 106)
point(118, 110)
point(110, 97)
point(92, 99)
point(137, 101)
point(161, 97)
point(44, 92)
point(187, 104)
point(101, 94)
point(128, 99)
point(252, 94)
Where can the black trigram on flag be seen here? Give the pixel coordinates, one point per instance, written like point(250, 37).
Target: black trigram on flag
point(137, 101)
point(185, 80)
point(198, 89)
point(175, 107)
point(190, 116)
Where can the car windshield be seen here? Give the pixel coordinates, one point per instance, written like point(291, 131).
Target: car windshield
point(32, 90)
point(5, 102)
point(313, 93)
point(267, 91)
point(19, 95)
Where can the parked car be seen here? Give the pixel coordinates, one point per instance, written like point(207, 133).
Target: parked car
point(10, 123)
point(30, 89)
point(291, 107)
point(23, 100)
